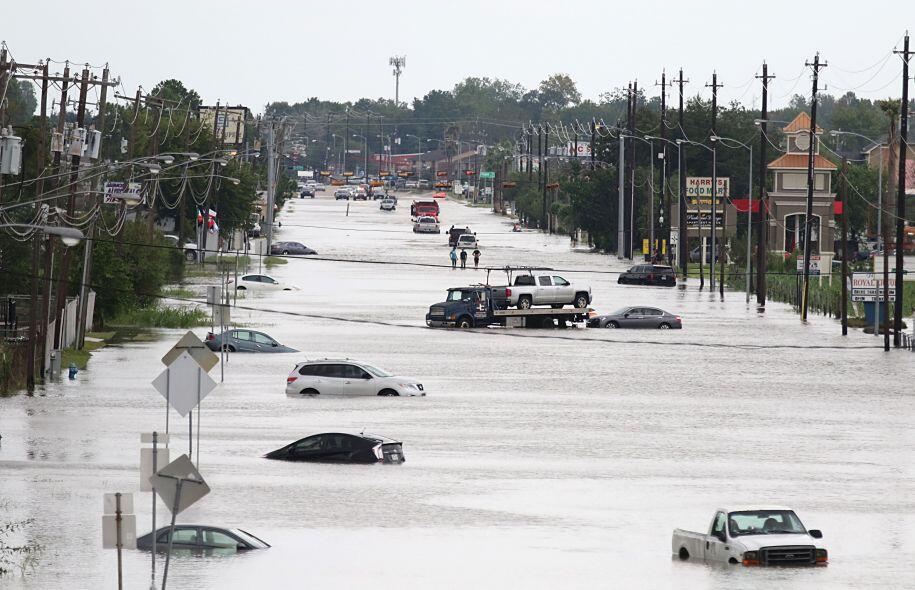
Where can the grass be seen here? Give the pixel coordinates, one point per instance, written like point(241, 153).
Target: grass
point(274, 261)
point(178, 292)
point(162, 317)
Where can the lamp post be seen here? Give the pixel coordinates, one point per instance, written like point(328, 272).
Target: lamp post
point(69, 236)
point(749, 200)
point(632, 203)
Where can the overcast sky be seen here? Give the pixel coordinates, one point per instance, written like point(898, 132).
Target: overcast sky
point(252, 53)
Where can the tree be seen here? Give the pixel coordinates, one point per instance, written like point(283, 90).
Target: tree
point(175, 90)
point(558, 92)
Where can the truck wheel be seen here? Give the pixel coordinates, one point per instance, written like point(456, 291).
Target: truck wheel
point(683, 554)
point(611, 324)
point(310, 391)
point(525, 302)
point(229, 348)
point(581, 300)
point(388, 393)
point(465, 322)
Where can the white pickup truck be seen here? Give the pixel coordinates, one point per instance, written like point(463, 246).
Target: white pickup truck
point(753, 536)
point(546, 288)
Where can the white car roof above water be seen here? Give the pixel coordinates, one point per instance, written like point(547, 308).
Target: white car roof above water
point(752, 508)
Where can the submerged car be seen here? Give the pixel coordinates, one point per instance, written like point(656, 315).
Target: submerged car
point(244, 341)
point(336, 447)
point(261, 282)
point(388, 204)
point(202, 537)
point(637, 317)
point(649, 274)
point(426, 225)
point(348, 377)
point(293, 248)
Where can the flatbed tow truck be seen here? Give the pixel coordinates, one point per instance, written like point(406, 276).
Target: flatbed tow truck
point(481, 305)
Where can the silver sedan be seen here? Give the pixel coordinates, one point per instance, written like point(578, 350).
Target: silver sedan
point(637, 317)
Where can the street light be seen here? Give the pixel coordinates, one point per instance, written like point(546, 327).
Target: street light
point(749, 200)
point(632, 199)
point(679, 193)
point(70, 236)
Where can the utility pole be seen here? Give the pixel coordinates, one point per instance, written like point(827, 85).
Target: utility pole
point(543, 208)
point(397, 62)
point(844, 241)
point(808, 218)
point(64, 273)
point(271, 181)
point(90, 242)
point(593, 129)
point(664, 204)
point(683, 249)
point(900, 199)
point(762, 220)
point(621, 192)
point(345, 141)
point(714, 221)
point(630, 203)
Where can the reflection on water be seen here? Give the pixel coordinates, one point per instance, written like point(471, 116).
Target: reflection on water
point(541, 459)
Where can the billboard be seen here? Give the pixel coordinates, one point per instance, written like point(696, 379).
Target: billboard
point(115, 192)
point(231, 121)
point(699, 189)
point(695, 218)
point(583, 150)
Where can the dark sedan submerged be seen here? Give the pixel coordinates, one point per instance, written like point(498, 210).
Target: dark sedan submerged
point(245, 341)
point(202, 538)
point(295, 248)
point(649, 274)
point(335, 447)
point(637, 317)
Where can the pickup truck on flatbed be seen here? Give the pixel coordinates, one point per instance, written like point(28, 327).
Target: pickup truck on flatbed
point(541, 286)
point(753, 536)
point(477, 306)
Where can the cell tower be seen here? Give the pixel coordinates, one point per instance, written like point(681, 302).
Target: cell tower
point(398, 62)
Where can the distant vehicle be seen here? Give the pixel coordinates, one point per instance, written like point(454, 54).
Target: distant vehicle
point(335, 447)
point(649, 274)
point(694, 254)
point(753, 537)
point(189, 248)
point(308, 191)
point(254, 231)
point(455, 232)
point(202, 538)
point(426, 225)
point(320, 187)
point(261, 282)
point(342, 194)
point(244, 341)
point(439, 195)
point(294, 248)
point(467, 241)
point(348, 377)
point(388, 205)
point(411, 184)
point(378, 192)
point(360, 194)
point(420, 208)
point(540, 287)
point(637, 317)
point(423, 183)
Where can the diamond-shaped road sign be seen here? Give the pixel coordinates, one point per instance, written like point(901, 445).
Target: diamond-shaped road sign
point(179, 474)
point(184, 383)
point(194, 346)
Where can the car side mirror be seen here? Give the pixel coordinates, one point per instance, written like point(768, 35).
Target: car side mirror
point(626, 315)
point(274, 344)
point(815, 533)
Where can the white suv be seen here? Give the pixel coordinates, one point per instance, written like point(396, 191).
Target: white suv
point(348, 377)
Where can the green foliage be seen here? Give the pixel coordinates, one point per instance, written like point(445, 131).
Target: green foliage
point(16, 555)
point(162, 317)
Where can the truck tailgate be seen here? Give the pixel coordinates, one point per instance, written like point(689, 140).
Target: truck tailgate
point(692, 542)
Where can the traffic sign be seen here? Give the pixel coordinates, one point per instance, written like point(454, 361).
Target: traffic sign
point(184, 384)
point(196, 348)
point(487, 175)
point(119, 505)
point(179, 474)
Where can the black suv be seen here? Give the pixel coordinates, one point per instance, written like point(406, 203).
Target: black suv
point(649, 274)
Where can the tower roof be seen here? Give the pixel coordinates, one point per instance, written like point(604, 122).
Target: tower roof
point(801, 123)
point(799, 162)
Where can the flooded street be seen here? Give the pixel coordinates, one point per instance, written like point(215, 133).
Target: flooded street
point(539, 459)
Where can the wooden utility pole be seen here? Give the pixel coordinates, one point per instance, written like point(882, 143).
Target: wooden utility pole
point(717, 253)
point(844, 241)
point(762, 218)
point(900, 199)
point(808, 218)
point(664, 204)
point(683, 249)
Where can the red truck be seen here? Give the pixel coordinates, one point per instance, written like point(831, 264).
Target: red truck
point(424, 208)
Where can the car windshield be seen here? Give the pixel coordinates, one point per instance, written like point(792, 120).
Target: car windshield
point(765, 522)
point(249, 538)
point(458, 295)
point(376, 371)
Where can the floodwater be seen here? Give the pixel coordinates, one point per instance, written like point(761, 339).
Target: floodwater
point(539, 458)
